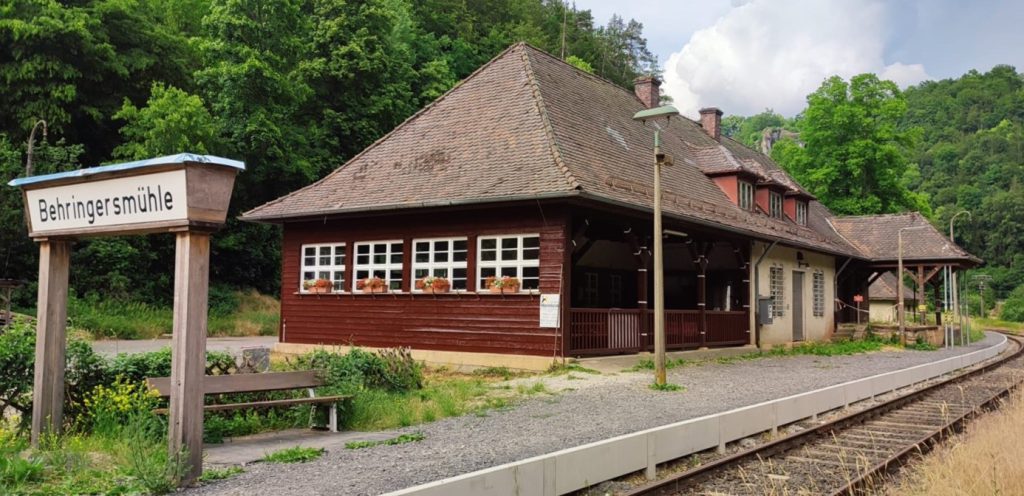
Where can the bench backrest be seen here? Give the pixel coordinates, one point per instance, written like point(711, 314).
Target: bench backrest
point(246, 383)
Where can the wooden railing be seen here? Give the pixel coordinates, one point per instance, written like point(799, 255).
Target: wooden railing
point(603, 331)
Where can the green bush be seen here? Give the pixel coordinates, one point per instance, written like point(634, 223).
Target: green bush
point(1013, 307)
point(106, 407)
point(83, 371)
point(138, 366)
point(392, 370)
point(17, 359)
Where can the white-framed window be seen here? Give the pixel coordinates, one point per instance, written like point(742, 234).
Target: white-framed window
point(778, 290)
point(801, 212)
point(513, 256)
point(775, 204)
point(323, 261)
point(440, 257)
point(381, 259)
point(746, 199)
point(818, 291)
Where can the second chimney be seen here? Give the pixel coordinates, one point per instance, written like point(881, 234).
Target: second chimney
point(647, 90)
point(711, 121)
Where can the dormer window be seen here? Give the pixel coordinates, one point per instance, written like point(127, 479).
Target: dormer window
point(801, 213)
point(746, 198)
point(775, 205)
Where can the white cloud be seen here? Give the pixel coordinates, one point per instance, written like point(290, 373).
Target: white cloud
point(772, 53)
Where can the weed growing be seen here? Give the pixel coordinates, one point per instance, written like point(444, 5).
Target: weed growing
point(648, 364)
point(569, 367)
point(216, 474)
point(296, 454)
point(668, 386)
point(404, 438)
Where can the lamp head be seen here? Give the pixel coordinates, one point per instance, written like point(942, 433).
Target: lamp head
point(666, 111)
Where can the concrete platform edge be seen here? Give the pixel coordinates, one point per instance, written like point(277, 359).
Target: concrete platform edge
point(576, 468)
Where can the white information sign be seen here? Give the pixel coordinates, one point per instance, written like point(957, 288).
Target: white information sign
point(550, 310)
point(147, 198)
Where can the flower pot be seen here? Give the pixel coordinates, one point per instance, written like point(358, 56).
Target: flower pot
point(319, 290)
point(504, 289)
point(375, 290)
point(433, 290)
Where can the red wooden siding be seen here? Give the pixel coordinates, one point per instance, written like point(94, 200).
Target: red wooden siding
point(451, 322)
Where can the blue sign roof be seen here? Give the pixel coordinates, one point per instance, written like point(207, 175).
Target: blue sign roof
point(150, 162)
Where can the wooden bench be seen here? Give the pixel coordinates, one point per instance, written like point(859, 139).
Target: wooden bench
point(257, 383)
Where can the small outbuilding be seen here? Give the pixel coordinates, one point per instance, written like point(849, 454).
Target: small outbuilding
point(882, 306)
point(510, 221)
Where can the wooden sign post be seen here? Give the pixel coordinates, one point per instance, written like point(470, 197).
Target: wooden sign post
point(185, 194)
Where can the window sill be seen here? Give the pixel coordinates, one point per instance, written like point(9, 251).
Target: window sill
point(534, 292)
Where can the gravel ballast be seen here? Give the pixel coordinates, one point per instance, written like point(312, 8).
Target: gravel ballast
point(601, 406)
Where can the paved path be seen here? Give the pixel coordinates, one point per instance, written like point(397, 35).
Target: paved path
point(594, 407)
point(112, 347)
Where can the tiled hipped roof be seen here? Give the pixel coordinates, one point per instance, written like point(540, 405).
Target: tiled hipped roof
point(527, 125)
point(877, 238)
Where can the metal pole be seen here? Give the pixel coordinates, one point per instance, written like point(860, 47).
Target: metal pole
point(899, 283)
point(956, 288)
point(659, 271)
point(31, 142)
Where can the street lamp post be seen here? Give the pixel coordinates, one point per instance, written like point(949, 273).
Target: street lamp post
point(899, 278)
point(956, 292)
point(31, 142)
point(660, 159)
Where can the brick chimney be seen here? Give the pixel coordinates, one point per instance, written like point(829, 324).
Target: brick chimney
point(711, 121)
point(646, 89)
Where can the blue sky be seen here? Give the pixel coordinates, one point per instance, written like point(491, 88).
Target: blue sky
point(747, 55)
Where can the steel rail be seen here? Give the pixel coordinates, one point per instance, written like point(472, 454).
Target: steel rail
point(688, 479)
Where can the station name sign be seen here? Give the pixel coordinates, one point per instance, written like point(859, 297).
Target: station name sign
point(142, 199)
point(162, 194)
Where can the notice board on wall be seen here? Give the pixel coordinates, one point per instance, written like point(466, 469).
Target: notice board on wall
point(550, 310)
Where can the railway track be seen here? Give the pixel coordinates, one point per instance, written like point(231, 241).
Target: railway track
point(852, 454)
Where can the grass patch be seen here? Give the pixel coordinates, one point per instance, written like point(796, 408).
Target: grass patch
point(297, 454)
point(216, 474)
point(536, 388)
point(569, 367)
point(668, 386)
point(983, 460)
point(132, 460)
point(404, 438)
point(996, 324)
point(233, 313)
point(443, 395)
point(648, 364)
point(503, 373)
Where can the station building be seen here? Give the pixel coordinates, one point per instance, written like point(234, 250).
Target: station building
point(534, 173)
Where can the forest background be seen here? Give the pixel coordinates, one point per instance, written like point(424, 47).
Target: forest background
point(296, 87)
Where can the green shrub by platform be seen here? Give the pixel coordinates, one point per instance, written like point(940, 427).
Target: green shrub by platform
point(392, 370)
point(1013, 307)
point(107, 407)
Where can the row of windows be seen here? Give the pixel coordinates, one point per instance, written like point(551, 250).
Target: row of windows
point(746, 202)
point(515, 256)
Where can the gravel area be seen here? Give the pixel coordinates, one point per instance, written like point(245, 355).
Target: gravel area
point(583, 410)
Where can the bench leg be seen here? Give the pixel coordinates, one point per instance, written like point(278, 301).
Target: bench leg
point(333, 413)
